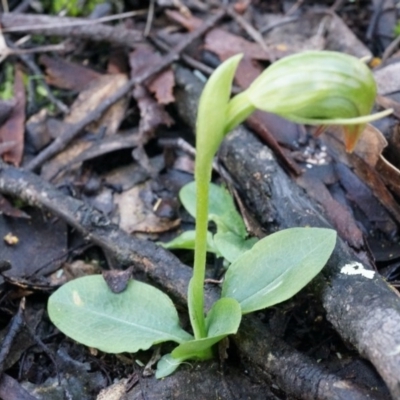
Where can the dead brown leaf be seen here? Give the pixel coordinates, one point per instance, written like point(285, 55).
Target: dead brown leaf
point(369, 198)
point(387, 102)
point(163, 83)
point(118, 63)
point(226, 44)
point(363, 166)
point(369, 147)
point(189, 22)
point(13, 129)
point(390, 174)
point(162, 87)
point(152, 113)
point(135, 216)
point(6, 208)
point(87, 101)
point(313, 30)
point(67, 75)
point(241, 6)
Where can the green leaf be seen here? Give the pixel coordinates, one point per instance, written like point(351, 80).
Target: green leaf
point(231, 246)
point(186, 240)
point(278, 267)
point(167, 365)
point(222, 320)
point(221, 210)
point(86, 310)
point(211, 114)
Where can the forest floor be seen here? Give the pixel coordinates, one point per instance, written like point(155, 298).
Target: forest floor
point(98, 103)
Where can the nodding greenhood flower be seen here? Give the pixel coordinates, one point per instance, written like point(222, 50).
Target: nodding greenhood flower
point(314, 88)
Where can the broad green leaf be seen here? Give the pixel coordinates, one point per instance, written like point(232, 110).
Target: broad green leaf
point(221, 210)
point(167, 365)
point(231, 246)
point(86, 310)
point(278, 267)
point(186, 240)
point(222, 320)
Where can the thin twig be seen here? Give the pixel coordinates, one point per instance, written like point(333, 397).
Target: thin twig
point(294, 7)
point(283, 21)
point(73, 22)
point(83, 29)
point(190, 61)
point(15, 327)
point(150, 16)
point(182, 144)
point(61, 141)
point(391, 48)
point(4, 3)
point(336, 5)
point(45, 348)
point(22, 6)
point(38, 73)
point(251, 31)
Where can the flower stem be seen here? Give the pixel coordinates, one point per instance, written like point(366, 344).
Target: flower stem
point(196, 286)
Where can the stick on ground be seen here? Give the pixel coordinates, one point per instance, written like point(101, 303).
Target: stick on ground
point(280, 364)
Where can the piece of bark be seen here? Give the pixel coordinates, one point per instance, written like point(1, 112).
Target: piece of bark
point(69, 27)
point(166, 271)
point(364, 311)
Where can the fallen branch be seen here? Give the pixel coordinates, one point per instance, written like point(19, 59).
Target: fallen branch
point(69, 27)
point(278, 363)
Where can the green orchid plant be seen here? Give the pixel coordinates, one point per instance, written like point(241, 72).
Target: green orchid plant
point(231, 238)
point(319, 88)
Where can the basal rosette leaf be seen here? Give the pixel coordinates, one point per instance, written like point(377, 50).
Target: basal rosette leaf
point(277, 267)
point(87, 311)
point(221, 208)
point(222, 320)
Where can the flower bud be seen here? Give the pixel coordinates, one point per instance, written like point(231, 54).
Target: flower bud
point(317, 88)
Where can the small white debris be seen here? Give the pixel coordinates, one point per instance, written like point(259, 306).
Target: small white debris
point(356, 268)
point(200, 75)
